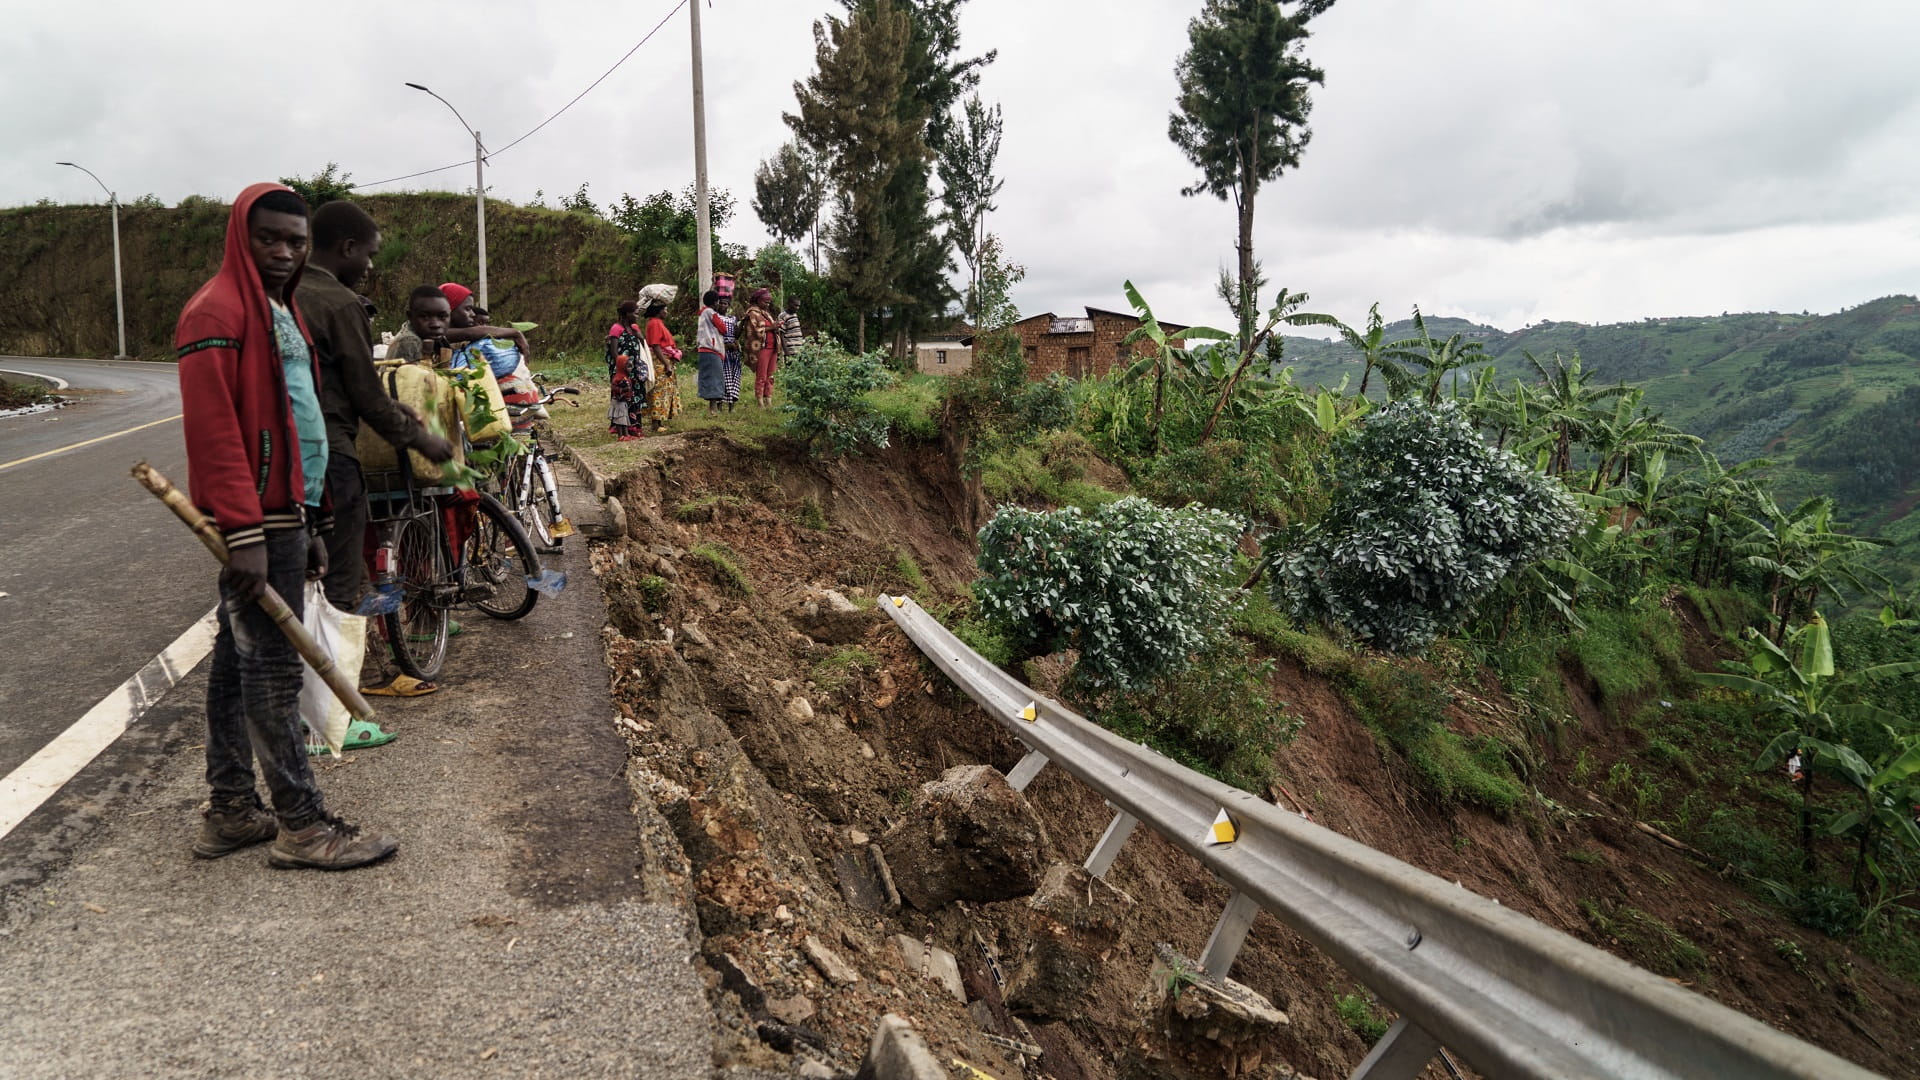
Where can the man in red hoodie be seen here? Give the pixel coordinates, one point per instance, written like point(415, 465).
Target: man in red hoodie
point(257, 465)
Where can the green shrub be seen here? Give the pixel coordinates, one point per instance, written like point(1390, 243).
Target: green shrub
point(1137, 588)
point(1627, 650)
point(1407, 711)
point(911, 407)
point(909, 571)
point(725, 566)
point(654, 592)
point(1219, 717)
point(1651, 943)
point(825, 391)
point(1048, 469)
point(1426, 520)
point(983, 637)
point(841, 665)
point(1361, 1016)
point(811, 514)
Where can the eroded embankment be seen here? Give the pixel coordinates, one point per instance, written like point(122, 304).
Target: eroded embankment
point(795, 745)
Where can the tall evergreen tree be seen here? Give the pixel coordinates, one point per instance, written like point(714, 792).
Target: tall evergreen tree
point(855, 102)
point(967, 159)
point(788, 192)
point(1242, 115)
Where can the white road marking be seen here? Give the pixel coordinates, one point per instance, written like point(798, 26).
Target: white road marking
point(88, 442)
point(23, 790)
point(58, 382)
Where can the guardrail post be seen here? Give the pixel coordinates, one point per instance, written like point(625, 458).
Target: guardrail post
point(1399, 1055)
point(1229, 934)
point(1028, 768)
point(1110, 843)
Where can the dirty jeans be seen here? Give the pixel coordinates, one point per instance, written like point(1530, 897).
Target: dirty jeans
point(253, 697)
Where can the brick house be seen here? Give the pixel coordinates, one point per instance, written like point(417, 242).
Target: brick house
point(1082, 347)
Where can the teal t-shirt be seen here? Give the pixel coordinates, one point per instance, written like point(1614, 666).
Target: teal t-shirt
point(305, 398)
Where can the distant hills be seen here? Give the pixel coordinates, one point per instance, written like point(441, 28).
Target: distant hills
point(1832, 400)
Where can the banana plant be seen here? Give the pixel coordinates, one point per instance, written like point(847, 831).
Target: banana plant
point(1800, 684)
point(1888, 796)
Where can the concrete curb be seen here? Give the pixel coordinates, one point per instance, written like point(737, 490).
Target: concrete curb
point(592, 479)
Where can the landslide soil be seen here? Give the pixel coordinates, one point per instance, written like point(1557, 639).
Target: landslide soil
point(771, 802)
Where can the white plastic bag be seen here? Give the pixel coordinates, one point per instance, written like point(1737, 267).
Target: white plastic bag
point(343, 637)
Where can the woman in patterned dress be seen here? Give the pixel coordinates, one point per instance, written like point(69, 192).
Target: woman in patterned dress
point(628, 371)
point(663, 394)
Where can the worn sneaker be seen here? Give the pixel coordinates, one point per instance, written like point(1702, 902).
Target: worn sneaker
point(329, 844)
point(223, 832)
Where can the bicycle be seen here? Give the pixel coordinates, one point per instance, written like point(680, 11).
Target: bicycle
point(416, 562)
point(528, 489)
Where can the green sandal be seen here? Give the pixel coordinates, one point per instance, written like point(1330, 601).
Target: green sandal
point(453, 629)
point(361, 734)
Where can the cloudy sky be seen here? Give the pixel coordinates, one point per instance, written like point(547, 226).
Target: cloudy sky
point(1505, 160)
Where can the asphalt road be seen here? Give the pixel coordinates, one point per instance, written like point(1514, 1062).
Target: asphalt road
point(515, 933)
point(98, 577)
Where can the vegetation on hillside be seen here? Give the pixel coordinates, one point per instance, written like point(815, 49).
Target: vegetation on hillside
point(1602, 520)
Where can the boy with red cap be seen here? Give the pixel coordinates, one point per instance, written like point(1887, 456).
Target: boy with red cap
point(257, 465)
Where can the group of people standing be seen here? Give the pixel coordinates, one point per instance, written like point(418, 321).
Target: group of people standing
point(276, 377)
point(642, 356)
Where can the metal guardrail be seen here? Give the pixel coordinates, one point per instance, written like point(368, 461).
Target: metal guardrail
point(1512, 996)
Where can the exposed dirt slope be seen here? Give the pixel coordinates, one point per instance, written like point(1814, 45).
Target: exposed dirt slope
point(775, 803)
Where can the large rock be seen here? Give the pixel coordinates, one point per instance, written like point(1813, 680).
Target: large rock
point(968, 837)
point(1214, 1027)
point(1075, 923)
point(831, 619)
point(897, 1052)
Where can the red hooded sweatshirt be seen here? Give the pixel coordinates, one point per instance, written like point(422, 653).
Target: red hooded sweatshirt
point(243, 448)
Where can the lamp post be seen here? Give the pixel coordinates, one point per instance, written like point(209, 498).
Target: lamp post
point(119, 295)
point(479, 185)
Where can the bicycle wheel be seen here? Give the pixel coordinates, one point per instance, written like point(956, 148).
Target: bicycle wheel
point(418, 631)
point(500, 555)
point(533, 512)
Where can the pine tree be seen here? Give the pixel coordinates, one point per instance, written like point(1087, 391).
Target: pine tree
point(788, 193)
point(1242, 114)
point(861, 71)
point(967, 159)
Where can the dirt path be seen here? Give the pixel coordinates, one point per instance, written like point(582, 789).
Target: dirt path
point(513, 934)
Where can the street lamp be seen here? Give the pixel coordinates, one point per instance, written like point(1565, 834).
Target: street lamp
point(119, 297)
point(479, 184)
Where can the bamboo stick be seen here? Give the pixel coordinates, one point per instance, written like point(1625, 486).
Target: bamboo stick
point(270, 601)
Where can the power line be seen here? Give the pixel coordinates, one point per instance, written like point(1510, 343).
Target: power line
point(598, 81)
point(556, 115)
point(409, 176)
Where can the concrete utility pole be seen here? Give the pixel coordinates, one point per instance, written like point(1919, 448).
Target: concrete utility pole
point(479, 189)
point(480, 208)
point(119, 294)
point(703, 224)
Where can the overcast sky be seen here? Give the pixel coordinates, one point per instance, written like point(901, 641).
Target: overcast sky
point(1505, 160)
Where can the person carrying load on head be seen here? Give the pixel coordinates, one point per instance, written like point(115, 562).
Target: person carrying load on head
point(663, 396)
point(713, 332)
point(628, 372)
point(730, 366)
point(257, 465)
